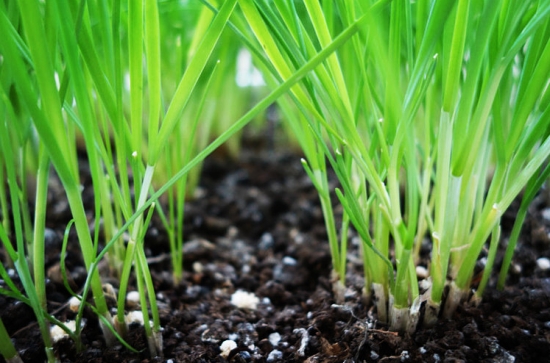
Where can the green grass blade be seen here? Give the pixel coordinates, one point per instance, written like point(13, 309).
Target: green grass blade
point(152, 47)
point(191, 77)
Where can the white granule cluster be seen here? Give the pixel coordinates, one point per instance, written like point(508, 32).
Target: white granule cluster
point(57, 333)
point(226, 347)
point(245, 300)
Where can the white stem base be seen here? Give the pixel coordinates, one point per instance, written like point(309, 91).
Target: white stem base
point(380, 301)
point(475, 300)
point(405, 319)
point(110, 338)
point(431, 313)
point(338, 288)
point(155, 344)
point(399, 318)
point(456, 295)
point(15, 359)
point(414, 316)
point(120, 327)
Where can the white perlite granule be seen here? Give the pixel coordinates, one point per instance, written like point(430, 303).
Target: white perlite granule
point(275, 355)
point(245, 300)
point(57, 333)
point(135, 316)
point(74, 304)
point(543, 263)
point(132, 299)
point(274, 339)
point(226, 347)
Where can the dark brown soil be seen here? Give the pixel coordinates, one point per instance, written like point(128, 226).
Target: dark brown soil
point(258, 227)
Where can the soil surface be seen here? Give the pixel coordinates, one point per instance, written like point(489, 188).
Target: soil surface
point(257, 227)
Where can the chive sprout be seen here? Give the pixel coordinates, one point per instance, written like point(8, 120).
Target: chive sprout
point(434, 115)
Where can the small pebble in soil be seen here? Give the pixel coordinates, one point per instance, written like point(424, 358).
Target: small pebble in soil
point(266, 241)
point(275, 355)
point(226, 347)
point(350, 293)
point(210, 336)
point(304, 342)
point(289, 261)
point(51, 239)
point(244, 300)
point(543, 263)
point(274, 339)
point(248, 334)
point(244, 356)
point(482, 262)
point(160, 296)
point(193, 292)
point(296, 236)
point(504, 357)
point(288, 273)
point(422, 350)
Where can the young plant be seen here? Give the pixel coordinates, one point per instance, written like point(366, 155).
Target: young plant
point(82, 48)
point(48, 119)
point(7, 350)
point(29, 269)
point(89, 93)
point(414, 113)
point(211, 109)
point(283, 88)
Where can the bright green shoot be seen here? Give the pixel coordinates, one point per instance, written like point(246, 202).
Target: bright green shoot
point(84, 48)
point(48, 120)
point(433, 115)
point(237, 126)
point(415, 113)
point(33, 280)
point(7, 350)
point(283, 20)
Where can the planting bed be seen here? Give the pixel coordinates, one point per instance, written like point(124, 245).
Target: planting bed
point(257, 226)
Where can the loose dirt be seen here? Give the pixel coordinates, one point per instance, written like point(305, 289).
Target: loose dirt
point(258, 227)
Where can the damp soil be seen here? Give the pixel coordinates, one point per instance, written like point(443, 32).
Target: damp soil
point(256, 226)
